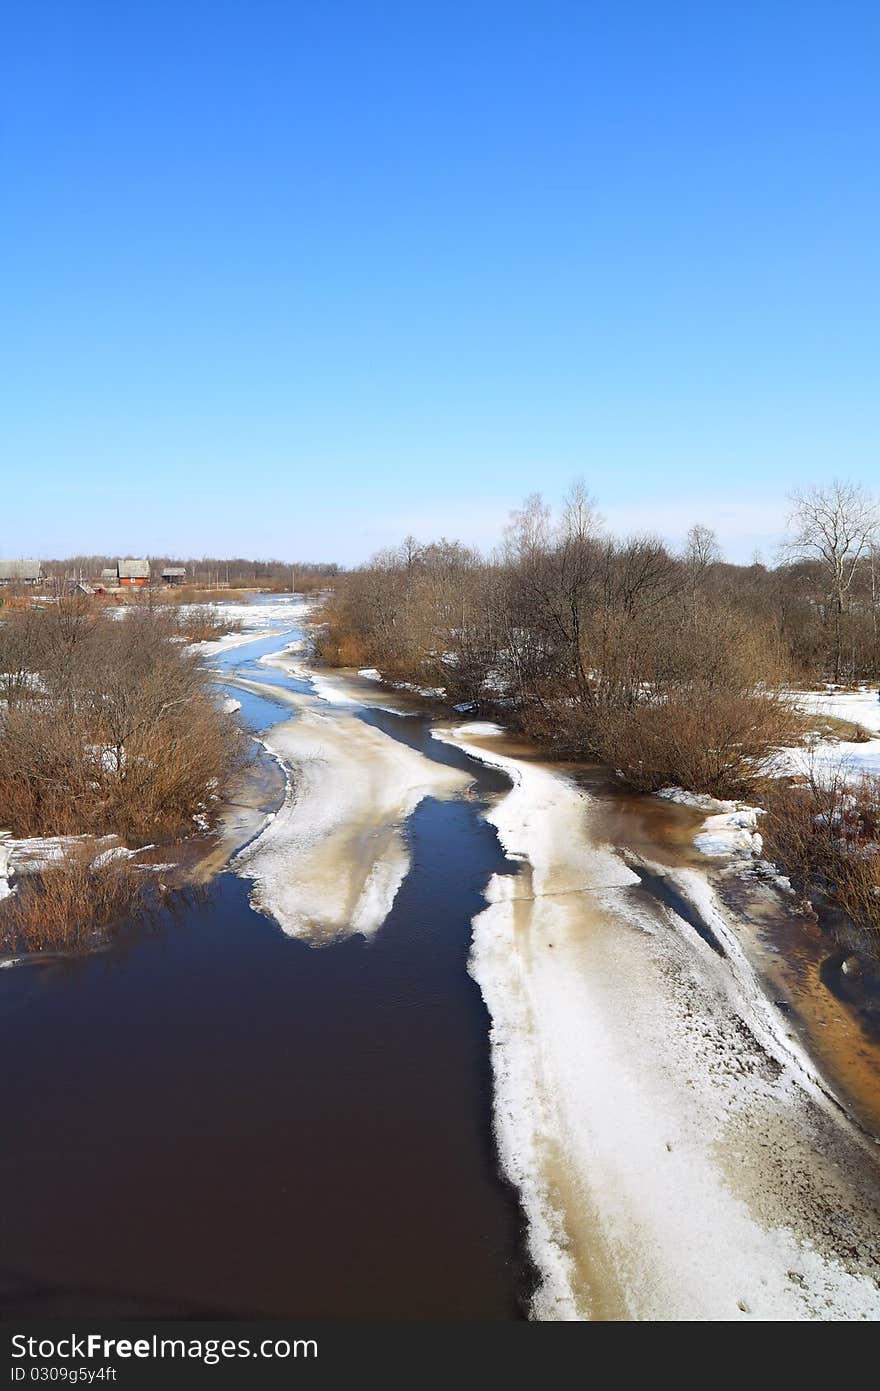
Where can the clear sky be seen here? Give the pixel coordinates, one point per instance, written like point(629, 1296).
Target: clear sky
point(295, 279)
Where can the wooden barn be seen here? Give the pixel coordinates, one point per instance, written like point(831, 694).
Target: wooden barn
point(134, 574)
point(21, 572)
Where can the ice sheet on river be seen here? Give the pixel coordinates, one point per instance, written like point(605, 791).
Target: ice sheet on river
point(672, 1158)
point(331, 861)
point(267, 615)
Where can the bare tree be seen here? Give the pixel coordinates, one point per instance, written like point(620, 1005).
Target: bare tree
point(701, 553)
point(875, 598)
point(835, 527)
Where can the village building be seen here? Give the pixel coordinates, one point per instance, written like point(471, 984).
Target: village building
point(134, 574)
point(75, 584)
point(21, 572)
point(110, 576)
point(174, 574)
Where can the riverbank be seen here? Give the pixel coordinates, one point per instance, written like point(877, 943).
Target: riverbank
point(675, 1148)
point(325, 1115)
point(659, 1126)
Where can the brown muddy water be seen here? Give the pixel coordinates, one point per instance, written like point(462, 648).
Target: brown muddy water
point(799, 957)
point(211, 1119)
point(208, 1118)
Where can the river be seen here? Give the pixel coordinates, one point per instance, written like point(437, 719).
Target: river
point(292, 1096)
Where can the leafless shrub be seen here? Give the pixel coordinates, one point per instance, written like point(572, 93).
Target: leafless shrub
point(708, 740)
point(119, 731)
point(337, 641)
point(71, 904)
point(205, 623)
point(825, 834)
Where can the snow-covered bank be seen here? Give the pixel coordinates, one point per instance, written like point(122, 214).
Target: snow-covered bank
point(428, 692)
point(333, 858)
point(860, 707)
point(672, 1158)
point(824, 758)
point(733, 828)
point(33, 854)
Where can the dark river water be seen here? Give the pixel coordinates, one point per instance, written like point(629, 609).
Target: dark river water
point(211, 1119)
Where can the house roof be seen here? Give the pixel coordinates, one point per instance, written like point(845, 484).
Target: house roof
point(174, 570)
point(134, 569)
point(109, 572)
point(20, 570)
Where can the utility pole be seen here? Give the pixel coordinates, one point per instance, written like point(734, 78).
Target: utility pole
point(293, 579)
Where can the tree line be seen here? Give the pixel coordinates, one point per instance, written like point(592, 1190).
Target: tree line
point(669, 666)
point(209, 572)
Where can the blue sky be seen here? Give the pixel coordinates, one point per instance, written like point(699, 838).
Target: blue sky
point(296, 279)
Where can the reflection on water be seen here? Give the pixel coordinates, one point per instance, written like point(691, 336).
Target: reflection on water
point(213, 1118)
point(210, 1118)
point(216, 1117)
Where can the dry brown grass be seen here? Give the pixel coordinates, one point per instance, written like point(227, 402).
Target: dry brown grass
point(13, 600)
point(71, 904)
point(832, 727)
point(196, 594)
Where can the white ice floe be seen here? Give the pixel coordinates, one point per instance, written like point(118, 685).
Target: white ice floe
point(674, 1159)
point(701, 801)
point(430, 692)
point(117, 852)
point(478, 729)
point(332, 860)
point(332, 687)
point(731, 829)
point(731, 833)
point(325, 687)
